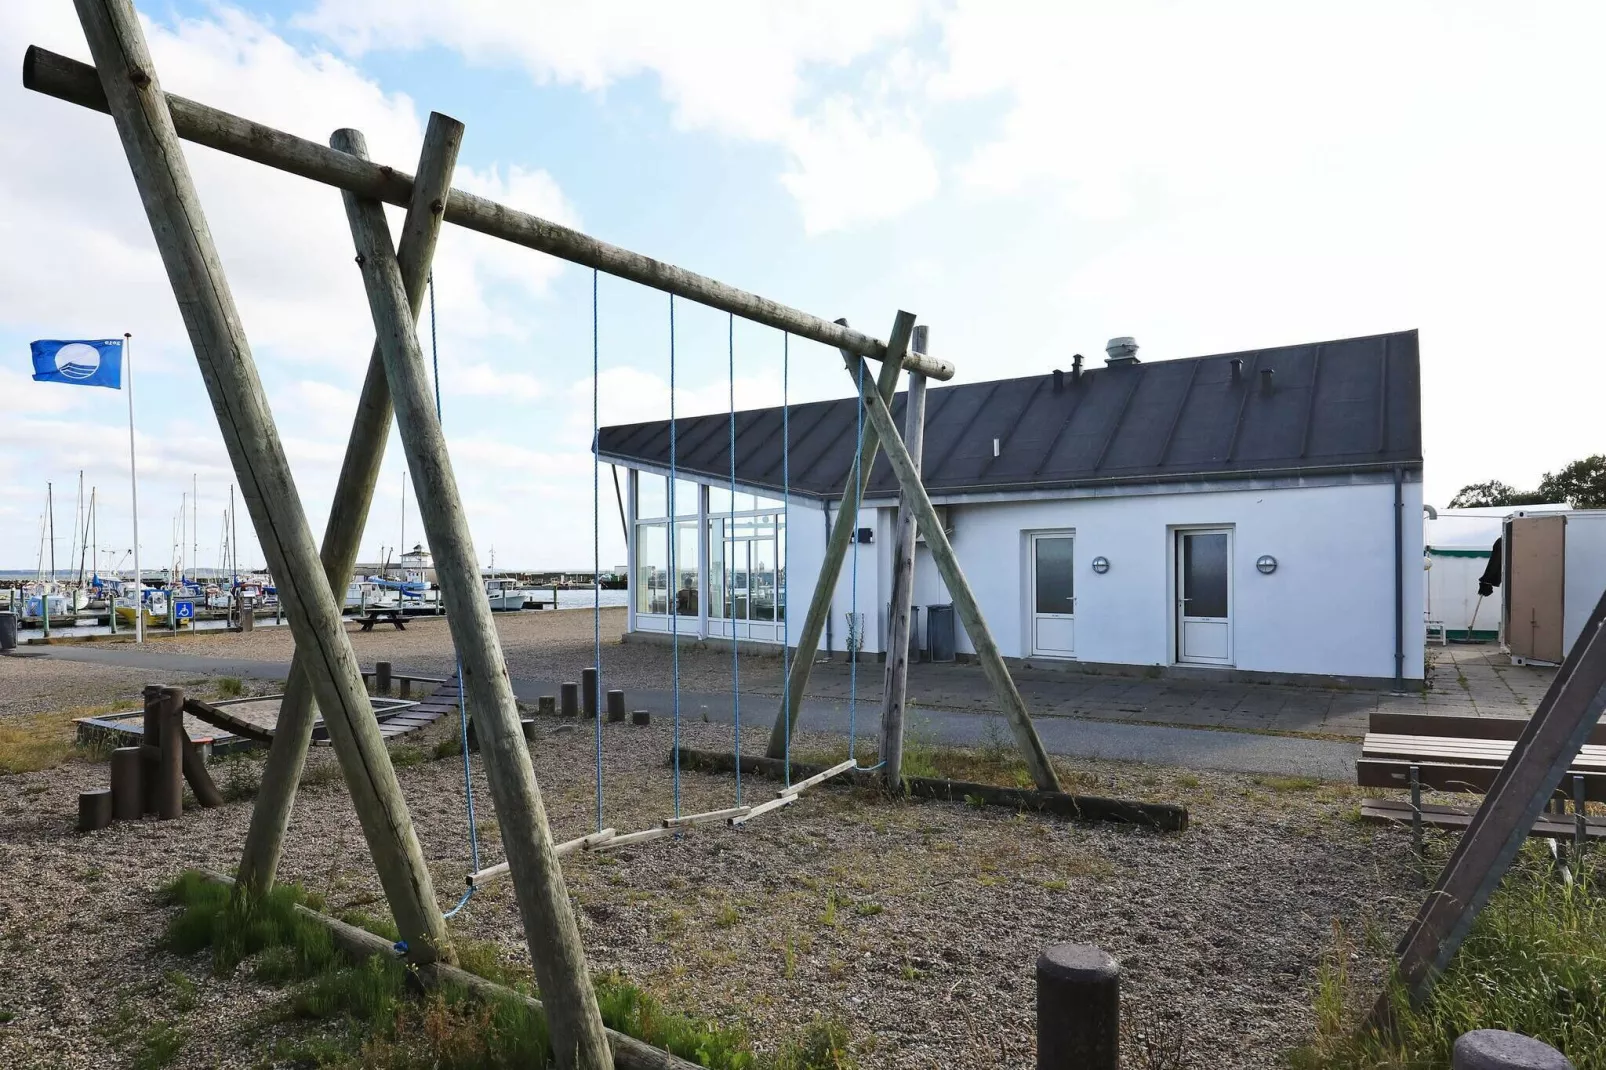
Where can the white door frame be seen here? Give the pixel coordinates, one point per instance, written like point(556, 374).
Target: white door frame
point(1176, 585)
point(1032, 615)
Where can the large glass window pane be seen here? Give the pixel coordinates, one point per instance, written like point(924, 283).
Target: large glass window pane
point(1204, 574)
point(1054, 578)
point(652, 568)
point(686, 493)
point(780, 570)
point(686, 567)
point(652, 496)
point(762, 601)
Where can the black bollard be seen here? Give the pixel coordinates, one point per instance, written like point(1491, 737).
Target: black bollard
point(569, 700)
point(616, 706)
point(1078, 1009)
point(588, 692)
point(381, 677)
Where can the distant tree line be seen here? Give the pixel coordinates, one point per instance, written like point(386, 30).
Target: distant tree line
point(1581, 485)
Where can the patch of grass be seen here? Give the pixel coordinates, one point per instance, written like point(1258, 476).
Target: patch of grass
point(7, 1016)
point(31, 743)
point(230, 687)
point(727, 916)
point(240, 776)
point(372, 923)
point(316, 774)
point(158, 1046)
point(406, 755)
point(450, 747)
point(829, 917)
point(824, 1045)
point(1187, 780)
point(867, 909)
point(183, 998)
point(629, 1009)
point(1532, 964)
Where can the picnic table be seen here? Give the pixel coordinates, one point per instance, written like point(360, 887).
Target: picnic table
point(375, 616)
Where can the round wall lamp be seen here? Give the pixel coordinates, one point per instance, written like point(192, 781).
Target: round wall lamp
point(1267, 564)
point(1101, 565)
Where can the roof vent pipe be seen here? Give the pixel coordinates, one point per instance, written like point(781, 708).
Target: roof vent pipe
point(1059, 380)
point(1076, 368)
point(1265, 381)
point(1237, 369)
point(1123, 350)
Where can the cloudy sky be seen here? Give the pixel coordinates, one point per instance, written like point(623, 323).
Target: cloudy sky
point(1029, 178)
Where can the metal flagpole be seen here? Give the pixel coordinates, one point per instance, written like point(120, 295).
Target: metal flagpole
point(133, 482)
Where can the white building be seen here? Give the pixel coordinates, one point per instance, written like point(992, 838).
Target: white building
point(1457, 546)
point(1256, 513)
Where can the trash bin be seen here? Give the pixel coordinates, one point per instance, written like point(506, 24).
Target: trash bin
point(940, 631)
point(8, 631)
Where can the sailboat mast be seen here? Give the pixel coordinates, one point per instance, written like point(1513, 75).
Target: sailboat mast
point(78, 527)
point(94, 522)
point(401, 547)
point(195, 524)
point(50, 513)
point(83, 524)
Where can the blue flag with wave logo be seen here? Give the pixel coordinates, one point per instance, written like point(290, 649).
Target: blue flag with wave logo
point(88, 363)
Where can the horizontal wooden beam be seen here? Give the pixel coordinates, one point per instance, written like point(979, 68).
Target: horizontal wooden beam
point(67, 79)
point(1164, 817)
point(360, 944)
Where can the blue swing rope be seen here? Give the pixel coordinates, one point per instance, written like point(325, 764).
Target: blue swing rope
point(671, 590)
point(462, 704)
point(596, 537)
point(736, 668)
point(786, 551)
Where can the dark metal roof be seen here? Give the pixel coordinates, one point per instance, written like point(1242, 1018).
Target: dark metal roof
point(1347, 405)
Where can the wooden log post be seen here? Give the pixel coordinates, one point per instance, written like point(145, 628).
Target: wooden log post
point(569, 699)
point(381, 677)
point(895, 690)
point(553, 938)
point(139, 108)
point(128, 784)
point(200, 781)
point(170, 764)
point(590, 696)
point(94, 810)
point(965, 605)
point(348, 515)
point(836, 549)
point(616, 706)
point(150, 740)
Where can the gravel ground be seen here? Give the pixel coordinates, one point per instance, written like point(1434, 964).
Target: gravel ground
point(917, 923)
point(40, 685)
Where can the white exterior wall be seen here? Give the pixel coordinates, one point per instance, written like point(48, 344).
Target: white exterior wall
point(1585, 561)
point(1327, 610)
point(1452, 594)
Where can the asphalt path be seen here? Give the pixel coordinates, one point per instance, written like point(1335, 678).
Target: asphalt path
point(1190, 748)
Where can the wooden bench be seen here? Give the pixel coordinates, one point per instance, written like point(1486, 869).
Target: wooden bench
point(391, 616)
point(1465, 754)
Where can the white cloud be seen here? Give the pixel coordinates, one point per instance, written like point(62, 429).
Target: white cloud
point(736, 68)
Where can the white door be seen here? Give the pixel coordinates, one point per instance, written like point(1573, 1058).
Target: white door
point(1053, 596)
point(1204, 595)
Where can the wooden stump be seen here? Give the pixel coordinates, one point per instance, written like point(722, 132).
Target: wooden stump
point(94, 810)
point(641, 717)
point(588, 692)
point(151, 736)
point(170, 764)
point(382, 677)
point(616, 706)
point(128, 784)
point(569, 701)
point(547, 704)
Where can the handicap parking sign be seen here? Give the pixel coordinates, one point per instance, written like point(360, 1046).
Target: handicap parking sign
point(184, 610)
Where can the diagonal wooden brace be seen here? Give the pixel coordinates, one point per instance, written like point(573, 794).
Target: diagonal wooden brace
point(836, 549)
point(942, 554)
point(348, 515)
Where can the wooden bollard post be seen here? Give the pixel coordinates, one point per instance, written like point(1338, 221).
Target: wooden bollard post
point(616, 706)
point(170, 765)
point(381, 677)
point(150, 737)
point(588, 693)
point(1496, 1049)
point(128, 784)
point(1078, 1009)
point(547, 704)
point(94, 809)
point(569, 700)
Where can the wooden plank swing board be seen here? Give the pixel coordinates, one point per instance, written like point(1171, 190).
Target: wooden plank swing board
point(763, 808)
point(710, 815)
point(632, 837)
point(817, 778)
point(562, 850)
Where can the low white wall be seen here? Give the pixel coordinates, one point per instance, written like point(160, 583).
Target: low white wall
point(1452, 593)
point(1328, 609)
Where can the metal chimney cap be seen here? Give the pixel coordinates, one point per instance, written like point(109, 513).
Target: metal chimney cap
point(1122, 350)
